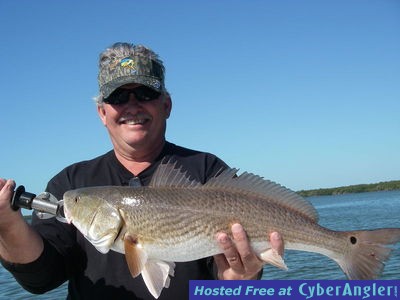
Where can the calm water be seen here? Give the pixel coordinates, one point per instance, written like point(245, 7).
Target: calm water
point(342, 212)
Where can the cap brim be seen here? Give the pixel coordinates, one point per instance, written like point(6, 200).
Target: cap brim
point(111, 86)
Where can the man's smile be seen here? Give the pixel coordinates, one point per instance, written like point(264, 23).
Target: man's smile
point(139, 119)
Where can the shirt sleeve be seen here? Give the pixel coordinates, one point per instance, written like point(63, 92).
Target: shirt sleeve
point(41, 275)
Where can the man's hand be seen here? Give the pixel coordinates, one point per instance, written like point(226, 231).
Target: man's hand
point(238, 260)
point(7, 216)
point(19, 243)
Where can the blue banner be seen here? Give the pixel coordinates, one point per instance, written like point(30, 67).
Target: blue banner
point(294, 289)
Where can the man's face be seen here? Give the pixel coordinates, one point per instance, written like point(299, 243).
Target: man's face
point(136, 125)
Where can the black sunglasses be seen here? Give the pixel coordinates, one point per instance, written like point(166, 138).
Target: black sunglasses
point(142, 94)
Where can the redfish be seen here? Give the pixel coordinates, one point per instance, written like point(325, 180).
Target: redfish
point(176, 219)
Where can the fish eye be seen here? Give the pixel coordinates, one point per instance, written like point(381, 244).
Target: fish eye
point(76, 199)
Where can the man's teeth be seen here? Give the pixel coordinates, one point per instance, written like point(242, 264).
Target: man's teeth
point(134, 121)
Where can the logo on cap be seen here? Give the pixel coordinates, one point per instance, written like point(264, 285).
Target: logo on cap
point(127, 62)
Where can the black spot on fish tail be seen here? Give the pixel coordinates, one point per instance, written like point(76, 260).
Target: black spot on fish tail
point(367, 252)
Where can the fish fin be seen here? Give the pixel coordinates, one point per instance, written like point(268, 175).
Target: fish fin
point(369, 249)
point(135, 256)
point(270, 191)
point(155, 273)
point(156, 276)
point(272, 257)
point(168, 174)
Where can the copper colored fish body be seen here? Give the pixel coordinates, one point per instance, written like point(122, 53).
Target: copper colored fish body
point(176, 219)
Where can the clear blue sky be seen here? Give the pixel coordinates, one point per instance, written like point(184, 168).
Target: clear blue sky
point(305, 93)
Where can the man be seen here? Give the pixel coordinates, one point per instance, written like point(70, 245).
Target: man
point(133, 105)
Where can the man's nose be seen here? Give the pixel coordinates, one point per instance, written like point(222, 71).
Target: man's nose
point(133, 100)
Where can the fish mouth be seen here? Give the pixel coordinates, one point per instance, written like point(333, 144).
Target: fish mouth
point(67, 215)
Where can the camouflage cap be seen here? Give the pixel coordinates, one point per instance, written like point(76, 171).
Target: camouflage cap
point(137, 67)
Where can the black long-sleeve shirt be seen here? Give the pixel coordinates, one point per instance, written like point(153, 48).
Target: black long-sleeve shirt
point(69, 256)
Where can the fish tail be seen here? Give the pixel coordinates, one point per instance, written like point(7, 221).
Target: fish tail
point(367, 252)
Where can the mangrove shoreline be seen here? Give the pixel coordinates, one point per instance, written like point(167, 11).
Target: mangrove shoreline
point(358, 188)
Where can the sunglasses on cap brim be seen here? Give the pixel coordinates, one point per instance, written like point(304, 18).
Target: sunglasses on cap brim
point(142, 94)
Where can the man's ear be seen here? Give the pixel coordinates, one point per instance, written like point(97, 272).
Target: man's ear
point(167, 105)
point(102, 114)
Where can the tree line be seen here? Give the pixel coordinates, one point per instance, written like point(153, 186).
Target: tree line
point(358, 188)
